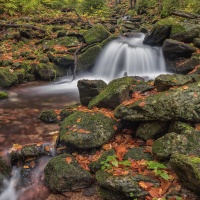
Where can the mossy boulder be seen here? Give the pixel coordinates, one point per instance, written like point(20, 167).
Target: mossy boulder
point(173, 49)
point(97, 33)
point(65, 60)
point(85, 130)
point(176, 104)
point(166, 81)
point(158, 35)
point(68, 110)
point(196, 42)
point(108, 40)
point(63, 173)
point(3, 95)
point(187, 143)
point(87, 59)
point(126, 184)
point(7, 78)
point(115, 93)
point(187, 169)
point(48, 116)
point(66, 41)
point(151, 130)
point(181, 127)
point(88, 89)
point(5, 171)
point(49, 71)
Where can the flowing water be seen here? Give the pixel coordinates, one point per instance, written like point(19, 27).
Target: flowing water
point(19, 122)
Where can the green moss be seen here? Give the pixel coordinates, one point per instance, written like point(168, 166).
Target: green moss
point(107, 40)
point(3, 95)
point(48, 116)
point(116, 92)
point(96, 34)
point(7, 78)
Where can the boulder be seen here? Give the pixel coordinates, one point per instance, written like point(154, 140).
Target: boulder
point(173, 49)
point(87, 59)
point(97, 33)
point(85, 130)
point(187, 143)
point(151, 130)
point(176, 104)
point(63, 173)
point(68, 110)
point(196, 42)
point(166, 81)
point(48, 116)
point(158, 35)
point(49, 71)
point(7, 78)
point(88, 89)
point(124, 184)
point(187, 169)
point(116, 92)
point(180, 127)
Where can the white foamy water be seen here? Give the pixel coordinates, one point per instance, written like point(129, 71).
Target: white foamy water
point(130, 56)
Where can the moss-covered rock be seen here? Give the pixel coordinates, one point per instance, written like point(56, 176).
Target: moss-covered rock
point(88, 58)
point(115, 93)
point(97, 33)
point(68, 110)
point(177, 104)
point(3, 95)
point(171, 143)
point(49, 71)
point(107, 40)
point(65, 60)
point(187, 169)
point(151, 130)
point(7, 78)
point(196, 42)
point(86, 130)
point(181, 127)
point(48, 116)
point(127, 184)
point(166, 81)
point(66, 41)
point(63, 173)
point(137, 153)
point(88, 89)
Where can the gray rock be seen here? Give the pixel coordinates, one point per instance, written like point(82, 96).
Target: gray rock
point(187, 169)
point(88, 89)
point(173, 49)
point(166, 81)
point(63, 173)
point(86, 130)
point(177, 104)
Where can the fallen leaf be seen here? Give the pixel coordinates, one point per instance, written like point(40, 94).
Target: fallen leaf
point(155, 192)
point(149, 142)
point(141, 104)
point(26, 167)
point(185, 87)
point(68, 160)
point(145, 185)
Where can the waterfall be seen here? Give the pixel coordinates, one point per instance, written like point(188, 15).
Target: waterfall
point(130, 56)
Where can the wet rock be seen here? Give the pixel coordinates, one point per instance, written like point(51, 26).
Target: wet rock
point(7, 78)
point(97, 33)
point(88, 89)
point(125, 184)
point(177, 104)
point(166, 81)
point(187, 169)
point(107, 40)
point(63, 173)
point(48, 116)
point(87, 59)
point(151, 130)
point(158, 35)
point(173, 49)
point(66, 112)
point(5, 171)
point(171, 143)
point(137, 153)
point(181, 127)
point(116, 92)
point(85, 130)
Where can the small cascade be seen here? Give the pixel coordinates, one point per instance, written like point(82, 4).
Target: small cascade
point(129, 56)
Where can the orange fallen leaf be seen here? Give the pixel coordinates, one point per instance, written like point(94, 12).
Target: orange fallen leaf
point(78, 120)
point(149, 142)
point(107, 146)
point(26, 167)
point(141, 104)
point(155, 192)
point(195, 95)
point(145, 185)
point(47, 148)
point(185, 87)
point(68, 160)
